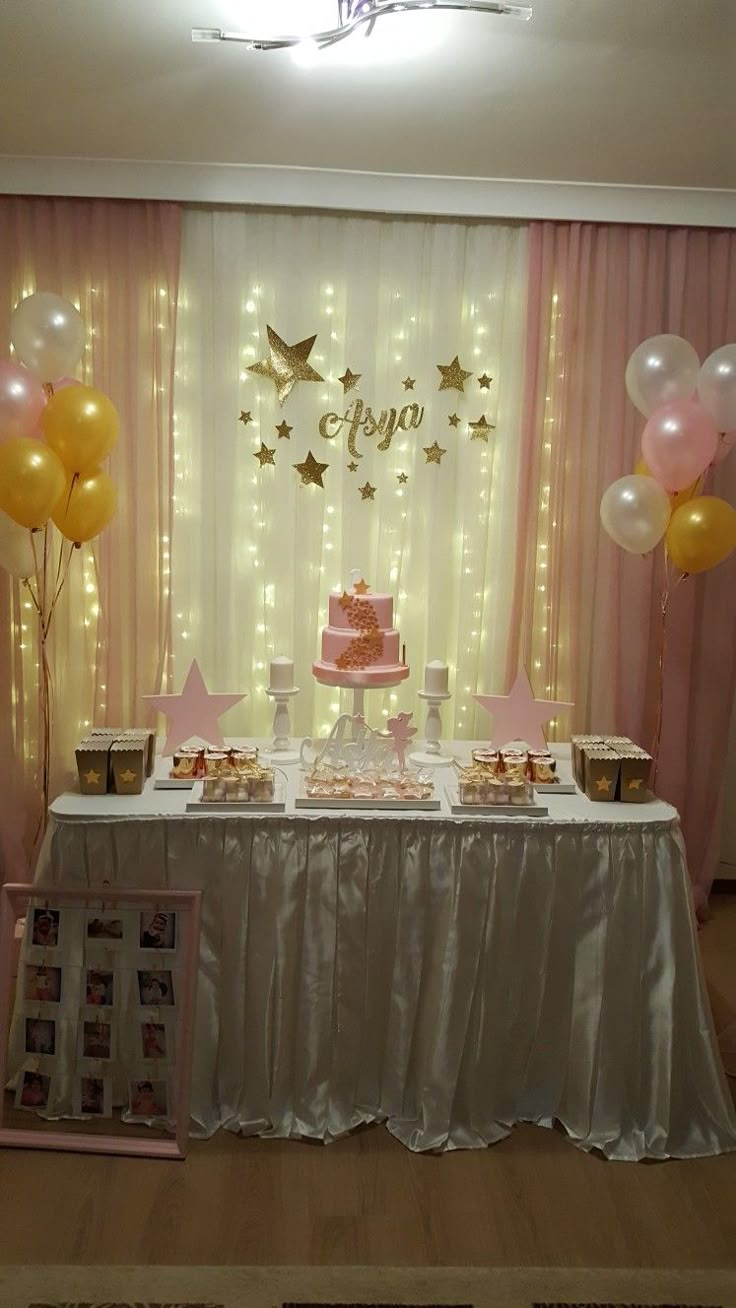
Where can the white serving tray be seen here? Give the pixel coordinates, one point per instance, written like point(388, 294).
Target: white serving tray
point(492, 810)
point(276, 805)
point(401, 805)
point(556, 787)
point(162, 780)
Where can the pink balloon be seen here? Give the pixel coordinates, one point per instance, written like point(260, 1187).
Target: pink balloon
point(679, 442)
point(22, 401)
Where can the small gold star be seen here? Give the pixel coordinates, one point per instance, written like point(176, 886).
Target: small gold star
point(245, 417)
point(311, 471)
point(284, 430)
point(480, 429)
point(361, 587)
point(434, 452)
point(367, 492)
point(353, 467)
point(484, 381)
point(402, 478)
point(349, 380)
point(128, 777)
point(345, 600)
point(604, 784)
point(453, 420)
point(453, 375)
point(264, 455)
point(635, 783)
point(92, 778)
point(408, 383)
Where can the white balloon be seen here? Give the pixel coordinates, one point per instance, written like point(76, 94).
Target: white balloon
point(16, 552)
point(47, 334)
point(662, 369)
point(635, 512)
point(717, 387)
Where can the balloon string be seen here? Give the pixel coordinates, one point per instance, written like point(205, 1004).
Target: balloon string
point(668, 591)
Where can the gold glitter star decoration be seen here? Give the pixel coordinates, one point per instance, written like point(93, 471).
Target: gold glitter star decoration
point(408, 383)
point(311, 472)
point(402, 478)
point(453, 376)
point(264, 455)
point(286, 364)
point(484, 381)
point(352, 467)
point(367, 492)
point(480, 429)
point(434, 452)
point(349, 380)
point(284, 430)
point(245, 417)
point(453, 420)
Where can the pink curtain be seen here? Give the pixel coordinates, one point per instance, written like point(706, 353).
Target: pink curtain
point(119, 261)
point(586, 615)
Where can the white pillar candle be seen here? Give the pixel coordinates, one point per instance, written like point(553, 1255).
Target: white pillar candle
point(435, 678)
point(282, 673)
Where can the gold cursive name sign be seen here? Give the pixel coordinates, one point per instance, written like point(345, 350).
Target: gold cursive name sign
point(359, 418)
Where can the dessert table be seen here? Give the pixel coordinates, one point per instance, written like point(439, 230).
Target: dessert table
point(449, 975)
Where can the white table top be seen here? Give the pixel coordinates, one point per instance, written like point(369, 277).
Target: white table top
point(154, 803)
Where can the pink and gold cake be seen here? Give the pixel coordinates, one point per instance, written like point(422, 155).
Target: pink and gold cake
point(360, 646)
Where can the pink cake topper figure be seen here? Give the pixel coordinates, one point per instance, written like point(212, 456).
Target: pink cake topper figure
point(402, 733)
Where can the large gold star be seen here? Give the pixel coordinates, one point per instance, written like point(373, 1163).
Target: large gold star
point(353, 467)
point(284, 430)
point(408, 383)
point(287, 364)
point(245, 417)
point(434, 452)
point(264, 455)
point(361, 587)
point(453, 375)
point(604, 784)
point(402, 478)
point(484, 381)
point(128, 777)
point(92, 778)
point(480, 429)
point(367, 492)
point(349, 380)
point(453, 420)
point(311, 471)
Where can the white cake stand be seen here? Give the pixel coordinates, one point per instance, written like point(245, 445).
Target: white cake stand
point(281, 750)
point(431, 756)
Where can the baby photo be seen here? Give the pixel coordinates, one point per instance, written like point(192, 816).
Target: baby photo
point(156, 989)
point(45, 927)
point(40, 1035)
point(100, 989)
point(149, 1099)
point(153, 1040)
point(42, 984)
point(92, 1096)
point(33, 1090)
point(96, 1039)
point(105, 928)
point(158, 931)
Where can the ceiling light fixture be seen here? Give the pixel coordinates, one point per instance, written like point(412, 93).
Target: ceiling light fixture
point(355, 15)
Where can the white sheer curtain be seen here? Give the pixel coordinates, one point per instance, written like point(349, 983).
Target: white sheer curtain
point(255, 553)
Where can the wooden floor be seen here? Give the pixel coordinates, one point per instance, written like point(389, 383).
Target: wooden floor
point(533, 1199)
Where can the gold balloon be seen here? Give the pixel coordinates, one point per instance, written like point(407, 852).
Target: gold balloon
point(31, 480)
point(641, 469)
point(702, 533)
point(87, 505)
point(676, 497)
point(81, 425)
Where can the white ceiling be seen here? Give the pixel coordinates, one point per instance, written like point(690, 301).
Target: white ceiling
point(618, 91)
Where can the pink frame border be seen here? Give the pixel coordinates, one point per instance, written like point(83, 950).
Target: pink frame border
point(14, 899)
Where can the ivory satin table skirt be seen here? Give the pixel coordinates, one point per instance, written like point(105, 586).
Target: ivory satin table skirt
point(447, 975)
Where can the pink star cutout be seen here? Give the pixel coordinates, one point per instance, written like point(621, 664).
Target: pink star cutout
point(402, 733)
point(194, 712)
point(519, 716)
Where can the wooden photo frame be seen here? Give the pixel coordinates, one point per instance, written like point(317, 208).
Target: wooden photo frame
point(172, 1028)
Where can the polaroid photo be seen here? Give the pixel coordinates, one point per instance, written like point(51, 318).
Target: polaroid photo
point(105, 930)
point(157, 932)
point(41, 984)
point(40, 1036)
point(33, 1090)
point(147, 1099)
point(156, 989)
point(92, 1096)
point(156, 1041)
point(45, 928)
point(99, 988)
point(96, 1039)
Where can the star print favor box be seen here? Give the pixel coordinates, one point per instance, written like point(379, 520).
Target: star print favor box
point(128, 765)
point(601, 772)
point(93, 763)
point(634, 776)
